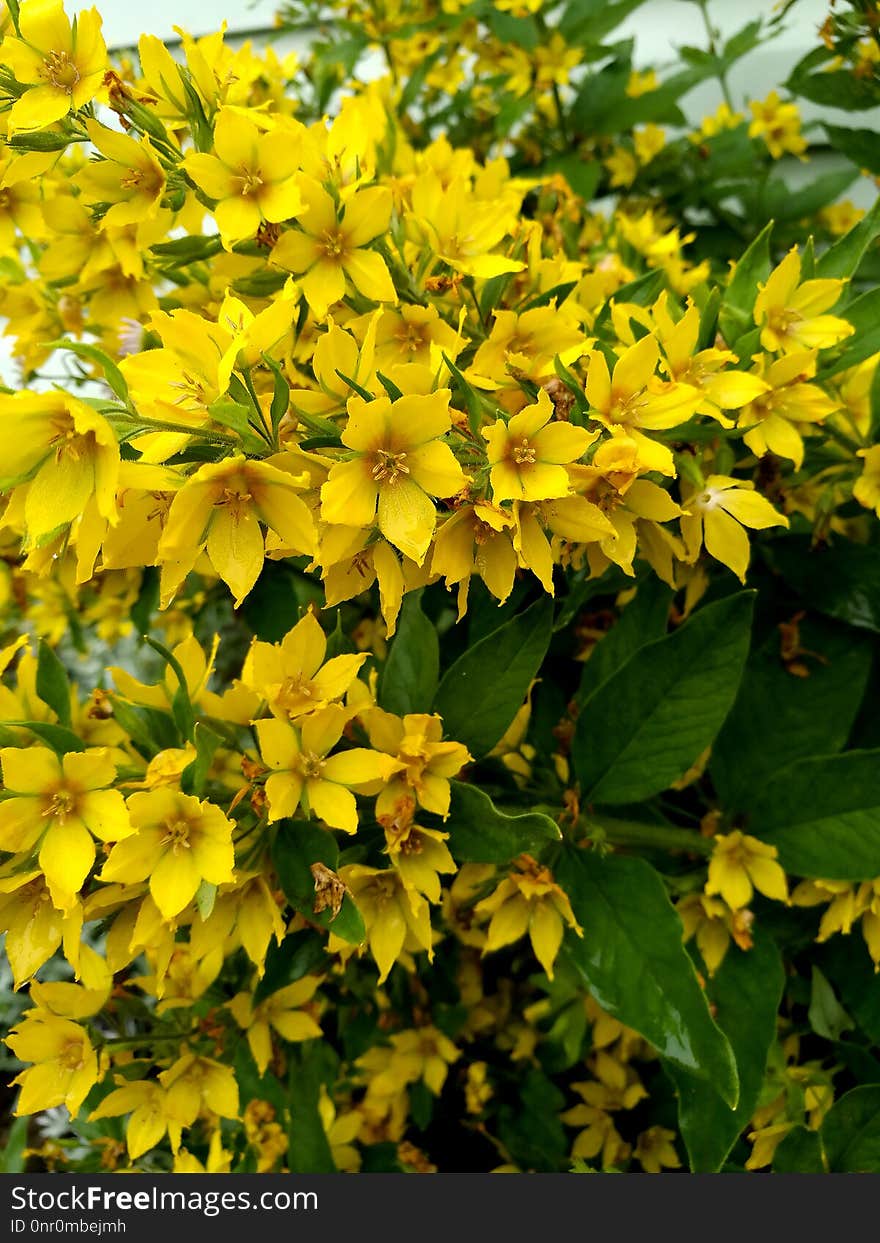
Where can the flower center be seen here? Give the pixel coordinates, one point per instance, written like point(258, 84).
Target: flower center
point(311, 765)
point(61, 805)
point(524, 453)
point(61, 71)
point(236, 502)
point(177, 835)
point(249, 181)
point(388, 466)
point(71, 1056)
point(333, 245)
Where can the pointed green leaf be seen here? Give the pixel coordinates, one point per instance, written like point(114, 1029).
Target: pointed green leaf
point(644, 727)
point(53, 684)
point(823, 816)
point(744, 994)
point(480, 833)
point(412, 670)
point(483, 690)
point(632, 960)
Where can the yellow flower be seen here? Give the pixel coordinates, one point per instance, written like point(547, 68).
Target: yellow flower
point(718, 515)
point(57, 805)
point(292, 675)
point(765, 1141)
point(771, 419)
point(396, 918)
point(303, 773)
point(398, 463)
point(648, 141)
point(420, 855)
point(634, 398)
point(713, 924)
point(129, 177)
point(333, 246)
point(779, 124)
point(66, 451)
point(195, 1083)
point(740, 864)
point(284, 1011)
point(34, 927)
point(529, 900)
point(341, 1129)
point(866, 488)
point(251, 176)
point(655, 1150)
point(219, 509)
point(66, 1065)
point(179, 843)
point(424, 763)
point(528, 454)
point(218, 1161)
point(476, 539)
point(151, 1115)
point(789, 312)
point(61, 64)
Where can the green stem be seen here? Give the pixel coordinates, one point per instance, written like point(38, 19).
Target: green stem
point(136, 1042)
point(720, 74)
point(651, 836)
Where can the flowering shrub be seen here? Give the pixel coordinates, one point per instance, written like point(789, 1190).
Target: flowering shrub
point(440, 597)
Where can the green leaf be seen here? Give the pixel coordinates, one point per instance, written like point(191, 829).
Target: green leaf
point(823, 815)
point(181, 705)
point(842, 260)
point(12, 1158)
point(850, 1132)
point(744, 993)
point(738, 303)
point(483, 690)
point(194, 776)
point(299, 954)
point(309, 1149)
point(841, 579)
point(858, 145)
point(847, 963)
point(799, 1153)
point(149, 728)
point(839, 88)
point(632, 960)
point(810, 715)
point(826, 1015)
point(778, 199)
point(298, 844)
point(644, 727)
point(53, 684)
point(473, 403)
point(480, 833)
point(58, 737)
point(864, 315)
point(114, 377)
point(412, 670)
point(642, 621)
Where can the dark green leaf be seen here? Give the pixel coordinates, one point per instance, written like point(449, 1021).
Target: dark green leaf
point(778, 718)
point(841, 580)
point(850, 1132)
point(632, 960)
point(842, 260)
point(309, 1149)
point(114, 377)
point(297, 846)
point(745, 994)
point(480, 833)
point(847, 963)
point(483, 690)
point(412, 670)
point(642, 621)
point(53, 684)
point(858, 145)
point(644, 727)
point(299, 954)
point(823, 815)
point(864, 315)
point(738, 303)
point(839, 88)
point(12, 1158)
point(799, 1153)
